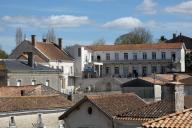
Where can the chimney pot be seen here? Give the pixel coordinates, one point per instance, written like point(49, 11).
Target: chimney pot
point(174, 35)
point(33, 40)
point(60, 43)
point(44, 40)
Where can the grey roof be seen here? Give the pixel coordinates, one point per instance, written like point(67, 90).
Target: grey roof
point(22, 66)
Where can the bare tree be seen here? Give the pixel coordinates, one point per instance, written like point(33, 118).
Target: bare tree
point(19, 36)
point(50, 36)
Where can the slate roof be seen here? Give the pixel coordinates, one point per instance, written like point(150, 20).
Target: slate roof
point(182, 38)
point(135, 46)
point(175, 120)
point(52, 51)
point(110, 105)
point(22, 66)
point(152, 111)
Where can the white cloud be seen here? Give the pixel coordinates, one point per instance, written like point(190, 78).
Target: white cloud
point(54, 21)
point(124, 22)
point(184, 7)
point(147, 7)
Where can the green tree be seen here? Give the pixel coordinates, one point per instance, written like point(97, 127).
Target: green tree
point(3, 54)
point(138, 35)
point(188, 61)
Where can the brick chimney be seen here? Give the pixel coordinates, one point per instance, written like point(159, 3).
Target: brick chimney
point(30, 59)
point(174, 92)
point(60, 43)
point(33, 42)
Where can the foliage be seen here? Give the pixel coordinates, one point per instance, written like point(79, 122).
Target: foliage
point(99, 42)
point(138, 35)
point(188, 61)
point(3, 54)
point(19, 36)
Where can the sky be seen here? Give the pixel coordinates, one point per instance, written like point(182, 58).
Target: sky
point(86, 21)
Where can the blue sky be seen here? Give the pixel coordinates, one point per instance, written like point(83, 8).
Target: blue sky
point(85, 21)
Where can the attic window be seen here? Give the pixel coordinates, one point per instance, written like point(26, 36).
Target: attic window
point(89, 110)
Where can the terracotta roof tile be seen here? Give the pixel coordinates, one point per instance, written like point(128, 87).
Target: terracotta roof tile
point(176, 120)
point(52, 51)
point(152, 111)
point(135, 46)
point(117, 103)
point(22, 103)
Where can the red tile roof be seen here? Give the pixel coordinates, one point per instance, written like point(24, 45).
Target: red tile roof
point(135, 46)
point(175, 120)
point(52, 51)
point(23, 103)
point(110, 105)
point(152, 111)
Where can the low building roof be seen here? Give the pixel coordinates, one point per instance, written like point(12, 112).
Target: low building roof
point(136, 46)
point(175, 120)
point(152, 110)
point(110, 105)
point(23, 103)
point(13, 65)
point(52, 51)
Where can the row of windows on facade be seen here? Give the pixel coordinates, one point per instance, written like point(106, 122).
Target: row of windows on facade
point(33, 82)
point(135, 56)
point(126, 70)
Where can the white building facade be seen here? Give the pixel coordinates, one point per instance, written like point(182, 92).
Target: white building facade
point(130, 60)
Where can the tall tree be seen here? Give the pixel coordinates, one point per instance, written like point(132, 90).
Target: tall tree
point(19, 36)
point(3, 54)
point(136, 36)
point(99, 42)
point(50, 36)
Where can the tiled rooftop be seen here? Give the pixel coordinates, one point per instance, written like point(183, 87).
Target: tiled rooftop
point(135, 47)
point(152, 110)
point(52, 51)
point(175, 120)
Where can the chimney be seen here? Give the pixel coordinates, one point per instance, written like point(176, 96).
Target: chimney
point(174, 35)
point(174, 92)
point(12, 123)
point(39, 121)
point(33, 40)
point(30, 59)
point(60, 43)
point(44, 40)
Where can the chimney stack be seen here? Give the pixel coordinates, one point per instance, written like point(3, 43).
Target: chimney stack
point(174, 35)
point(33, 40)
point(174, 92)
point(60, 43)
point(12, 123)
point(44, 40)
point(30, 59)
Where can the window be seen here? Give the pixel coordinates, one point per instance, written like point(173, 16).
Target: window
point(163, 69)
point(173, 56)
point(33, 82)
point(18, 82)
point(107, 56)
point(47, 83)
point(116, 56)
point(153, 55)
point(134, 56)
point(98, 57)
point(144, 55)
point(62, 68)
point(125, 70)
point(154, 69)
point(125, 56)
point(63, 83)
point(107, 70)
point(71, 70)
point(79, 52)
point(163, 55)
point(116, 70)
